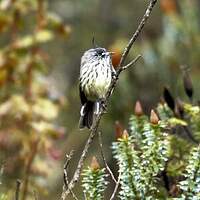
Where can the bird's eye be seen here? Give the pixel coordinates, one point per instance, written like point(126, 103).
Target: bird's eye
point(100, 52)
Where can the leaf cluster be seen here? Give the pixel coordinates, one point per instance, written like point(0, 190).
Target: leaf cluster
point(28, 106)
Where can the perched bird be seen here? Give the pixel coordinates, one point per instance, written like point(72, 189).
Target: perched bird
point(96, 72)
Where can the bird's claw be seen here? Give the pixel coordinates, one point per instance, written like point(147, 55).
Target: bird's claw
point(114, 75)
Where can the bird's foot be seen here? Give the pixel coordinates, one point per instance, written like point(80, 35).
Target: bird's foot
point(114, 75)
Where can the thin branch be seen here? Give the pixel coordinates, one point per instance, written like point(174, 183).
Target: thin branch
point(66, 181)
point(130, 44)
point(133, 62)
point(94, 129)
point(18, 184)
point(104, 159)
point(68, 158)
point(77, 173)
point(116, 187)
point(137, 32)
point(73, 195)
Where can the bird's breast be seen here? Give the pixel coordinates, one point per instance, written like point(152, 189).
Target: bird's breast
point(98, 81)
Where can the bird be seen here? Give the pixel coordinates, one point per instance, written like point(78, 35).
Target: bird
point(96, 74)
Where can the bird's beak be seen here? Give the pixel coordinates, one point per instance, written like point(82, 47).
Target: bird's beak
point(108, 53)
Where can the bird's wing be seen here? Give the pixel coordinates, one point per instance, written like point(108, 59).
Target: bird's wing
point(82, 96)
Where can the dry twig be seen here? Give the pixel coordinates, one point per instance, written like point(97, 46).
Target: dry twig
point(137, 32)
point(116, 187)
point(133, 62)
point(104, 159)
point(94, 129)
point(66, 181)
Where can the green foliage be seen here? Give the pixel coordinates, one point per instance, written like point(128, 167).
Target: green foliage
point(94, 183)
point(136, 125)
point(167, 115)
point(191, 185)
point(192, 116)
point(151, 163)
point(128, 161)
point(29, 107)
point(141, 157)
point(148, 157)
point(164, 111)
point(186, 127)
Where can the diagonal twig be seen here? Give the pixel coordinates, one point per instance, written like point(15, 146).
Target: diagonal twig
point(77, 173)
point(104, 159)
point(66, 181)
point(65, 175)
point(116, 187)
point(137, 32)
point(94, 129)
point(133, 62)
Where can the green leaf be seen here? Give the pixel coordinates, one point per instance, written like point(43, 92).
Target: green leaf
point(175, 121)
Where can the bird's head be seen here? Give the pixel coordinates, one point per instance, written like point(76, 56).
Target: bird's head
point(98, 53)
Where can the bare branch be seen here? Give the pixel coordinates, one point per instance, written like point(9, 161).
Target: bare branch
point(18, 183)
point(82, 158)
point(104, 159)
point(130, 44)
point(68, 158)
point(133, 62)
point(137, 32)
point(94, 129)
point(116, 187)
point(66, 181)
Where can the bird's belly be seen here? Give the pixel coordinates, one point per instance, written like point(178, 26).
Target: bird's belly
point(97, 88)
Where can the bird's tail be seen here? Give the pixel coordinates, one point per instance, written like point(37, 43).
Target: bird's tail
point(88, 112)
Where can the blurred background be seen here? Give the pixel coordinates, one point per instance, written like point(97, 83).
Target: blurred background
point(41, 44)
